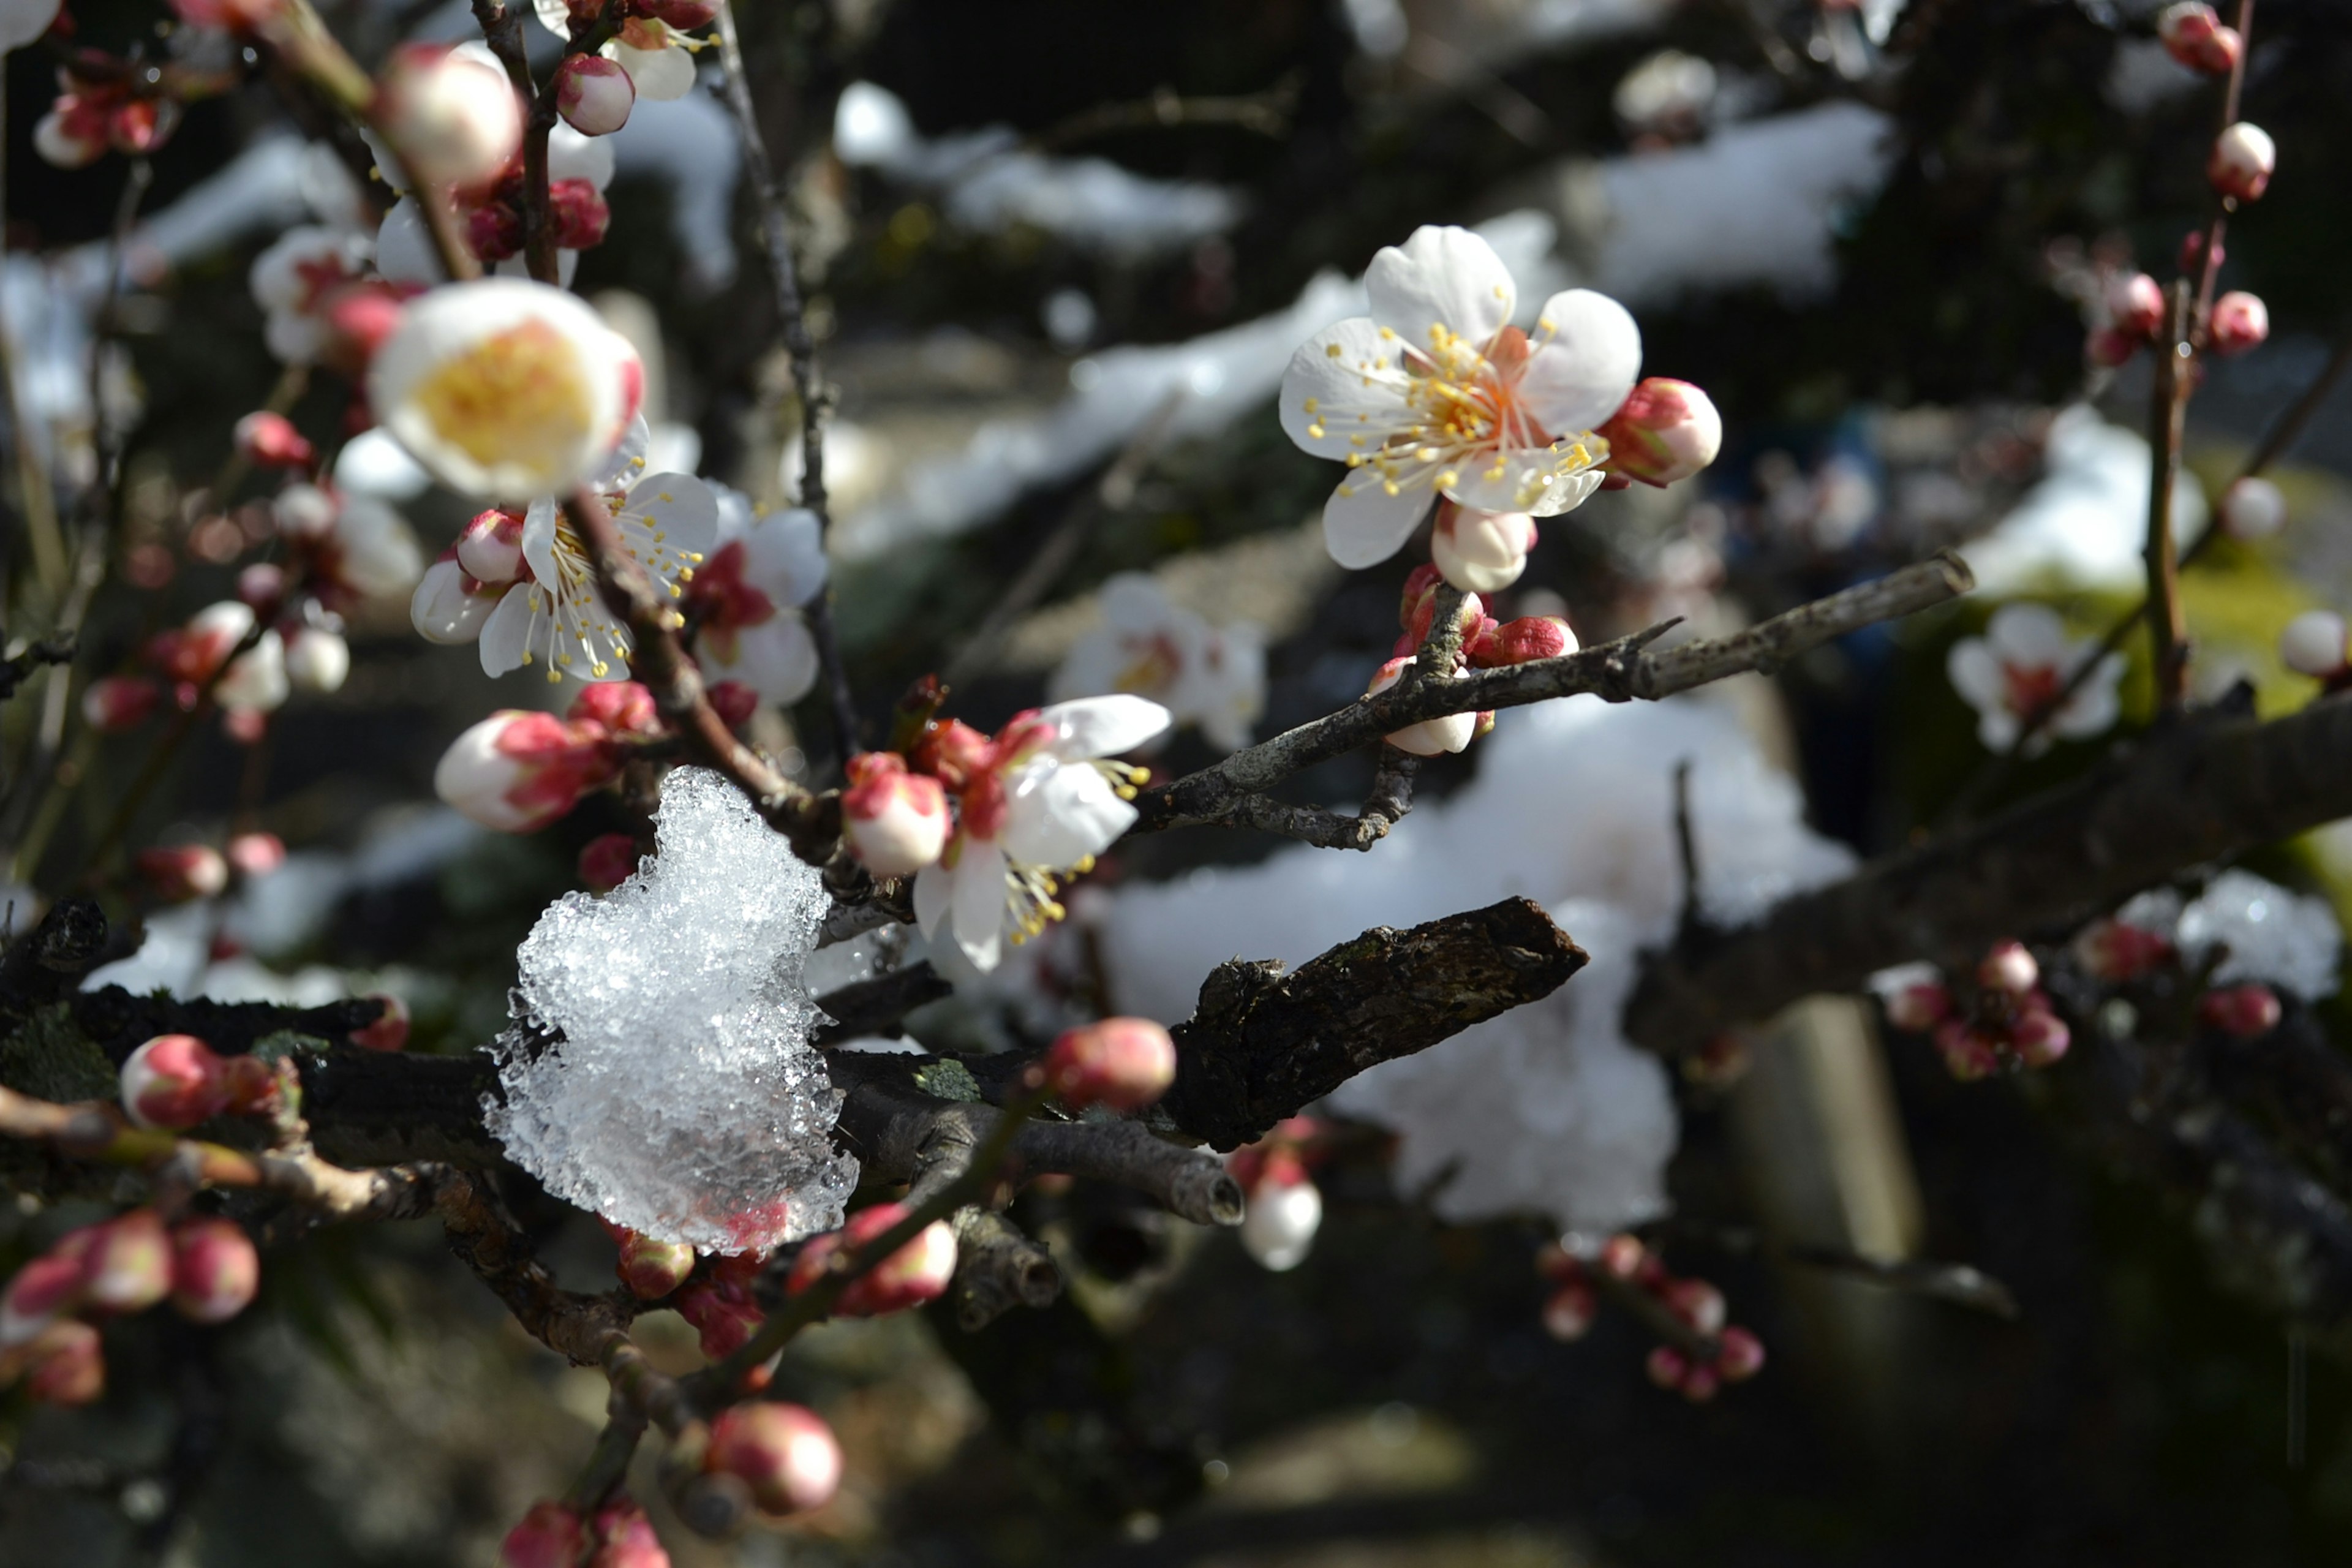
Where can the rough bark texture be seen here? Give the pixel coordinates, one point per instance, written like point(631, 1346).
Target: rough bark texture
point(1263, 1044)
point(2214, 785)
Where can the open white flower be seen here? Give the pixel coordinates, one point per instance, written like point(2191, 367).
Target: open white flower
point(2017, 668)
point(295, 279)
point(1436, 393)
point(1035, 802)
point(747, 600)
point(658, 56)
point(1148, 644)
point(506, 389)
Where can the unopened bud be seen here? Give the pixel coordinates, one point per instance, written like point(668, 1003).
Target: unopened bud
point(269, 440)
point(129, 1266)
point(1430, 737)
point(1697, 1303)
point(256, 854)
point(516, 771)
point(67, 1364)
point(174, 1081)
point(623, 707)
point(1968, 1054)
point(1915, 1009)
point(2240, 321)
point(2248, 1012)
point(317, 660)
point(390, 1030)
point(2195, 37)
point(917, 1272)
point(1667, 430)
point(684, 14)
point(2241, 161)
point(214, 1270)
point(784, 1454)
point(2135, 304)
point(624, 1536)
point(594, 94)
point(179, 872)
point(1667, 1366)
point(1123, 1063)
point(1568, 1312)
point(490, 550)
point(44, 1290)
point(608, 860)
point(1739, 1355)
point(2252, 508)
point(577, 213)
point(2039, 1038)
point(456, 120)
point(1622, 1257)
point(2115, 952)
point(1480, 551)
point(549, 1536)
point(725, 1325)
point(2314, 644)
point(1517, 642)
point(2108, 347)
point(895, 821)
point(114, 703)
point(2008, 967)
point(734, 703)
point(1284, 1213)
point(651, 1269)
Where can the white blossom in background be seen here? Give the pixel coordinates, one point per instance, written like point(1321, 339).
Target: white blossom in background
point(2019, 665)
point(22, 21)
point(358, 548)
point(1436, 394)
point(748, 596)
point(405, 251)
point(658, 56)
point(683, 1100)
point(1211, 677)
point(1547, 1108)
point(2275, 936)
point(295, 280)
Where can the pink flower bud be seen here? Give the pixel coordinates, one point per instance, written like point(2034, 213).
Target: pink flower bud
point(1699, 1384)
point(317, 660)
point(2109, 347)
point(214, 1270)
point(390, 1031)
point(174, 1081)
point(576, 211)
point(256, 854)
point(1517, 642)
point(490, 550)
point(624, 1537)
point(1739, 1355)
point(2195, 37)
point(1915, 1009)
point(650, 1268)
point(2039, 1038)
point(1480, 551)
point(2192, 251)
point(1667, 430)
point(733, 702)
point(517, 772)
point(1430, 737)
point(69, 1366)
point(2314, 644)
point(594, 94)
point(2008, 967)
point(1568, 1315)
point(179, 872)
point(2248, 1012)
point(1697, 1303)
point(1123, 1063)
point(129, 1267)
point(1667, 1366)
point(358, 317)
point(114, 703)
point(2240, 321)
point(549, 1536)
point(46, 1289)
point(455, 118)
point(623, 707)
point(2252, 508)
point(269, 440)
point(1622, 1257)
point(725, 1325)
point(916, 1273)
point(782, 1452)
point(2241, 161)
point(2135, 304)
point(2111, 950)
point(608, 860)
point(1968, 1054)
point(896, 822)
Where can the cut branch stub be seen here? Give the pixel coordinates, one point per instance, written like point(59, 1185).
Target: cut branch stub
point(1264, 1045)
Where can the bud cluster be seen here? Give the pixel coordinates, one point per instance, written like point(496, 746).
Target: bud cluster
point(916, 1273)
point(2119, 953)
point(2194, 35)
point(174, 1081)
point(555, 1535)
point(1487, 644)
point(1715, 1351)
point(2006, 1021)
point(518, 770)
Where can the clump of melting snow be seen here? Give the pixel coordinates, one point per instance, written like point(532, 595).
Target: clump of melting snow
point(2275, 936)
point(683, 1098)
point(1548, 1109)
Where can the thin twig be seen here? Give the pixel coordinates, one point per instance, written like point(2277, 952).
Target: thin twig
point(1265, 115)
point(2168, 419)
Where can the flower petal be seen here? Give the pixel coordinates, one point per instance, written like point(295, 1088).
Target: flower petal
point(506, 635)
point(783, 557)
point(1975, 672)
point(1441, 277)
point(776, 658)
point(1058, 814)
point(681, 508)
point(657, 73)
point(1363, 525)
point(2030, 636)
point(1102, 726)
point(1334, 401)
point(539, 540)
point(1588, 357)
point(934, 893)
point(1567, 494)
point(978, 904)
point(1529, 479)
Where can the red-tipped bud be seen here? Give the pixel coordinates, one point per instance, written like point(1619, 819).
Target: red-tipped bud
point(1915, 1009)
point(2248, 1012)
point(916, 1273)
point(455, 119)
point(2314, 644)
point(724, 1323)
point(954, 752)
point(734, 703)
point(1413, 607)
point(1667, 430)
point(2108, 347)
point(390, 1030)
point(2192, 251)
point(269, 440)
point(214, 1270)
point(2252, 508)
point(1622, 1257)
point(1568, 1312)
point(2195, 37)
point(576, 211)
point(1528, 637)
point(594, 94)
point(114, 703)
point(516, 771)
point(67, 1365)
point(784, 1454)
point(624, 1537)
point(1968, 1054)
point(2039, 1038)
point(1480, 551)
point(490, 550)
point(46, 1289)
point(2240, 321)
point(624, 707)
point(2135, 304)
point(256, 854)
point(179, 872)
point(1430, 737)
point(1739, 1355)
point(608, 860)
point(2241, 161)
point(651, 1269)
point(895, 821)
point(174, 1081)
point(1697, 1303)
point(2115, 952)
point(359, 317)
point(549, 1536)
point(1667, 1366)
point(2009, 968)
point(1123, 1063)
point(129, 1266)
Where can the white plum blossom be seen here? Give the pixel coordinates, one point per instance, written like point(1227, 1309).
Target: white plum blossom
point(658, 56)
point(747, 597)
point(1212, 677)
point(294, 281)
point(1035, 802)
point(1437, 393)
point(403, 244)
point(2019, 665)
point(506, 389)
point(359, 548)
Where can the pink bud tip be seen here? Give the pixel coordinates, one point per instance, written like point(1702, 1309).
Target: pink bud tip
point(1667, 430)
point(214, 1270)
point(2008, 967)
point(624, 707)
point(1739, 1355)
point(549, 1536)
point(2135, 304)
point(608, 860)
point(45, 1288)
point(2194, 36)
point(174, 1081)
point(1517, 642)
point(69, 1366)
point(269, 440)
point(129, 1266)
point(2248, 1012)
point(734, 703)
point(1568, 1315)
point(2039, 1038)
point(576, 211)
point(1667, 1366)
point(2241, 161)
point(2240, 321)
point(595, 95)
point(1622, 1257)
point(1123, 1063)
point(917, 1272)
point(686, 15)
point(1697, 1303)
point(490, 550)
point(895, 821)
point(624, 1537)
point(114, 703)
point(2115, 952)
point(785, 1453)
point(651, 1269)
point(1915, 1009)
point(177, 873)
point(725, 1325)
point(390, 1030)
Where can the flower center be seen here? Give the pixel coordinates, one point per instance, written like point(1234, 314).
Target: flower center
point(2029, 688)
point(519, 395)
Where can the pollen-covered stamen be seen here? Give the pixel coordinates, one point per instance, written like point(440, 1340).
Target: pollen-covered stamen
point(1123, 778)
point(567, 615)
point(1029, 905)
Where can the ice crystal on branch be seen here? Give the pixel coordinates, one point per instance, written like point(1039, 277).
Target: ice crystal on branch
point(682, 1100)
